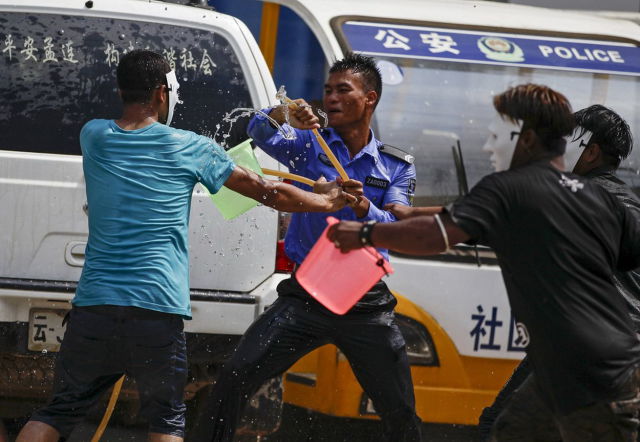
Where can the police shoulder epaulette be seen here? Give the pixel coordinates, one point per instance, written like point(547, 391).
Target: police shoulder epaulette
point(396, 152)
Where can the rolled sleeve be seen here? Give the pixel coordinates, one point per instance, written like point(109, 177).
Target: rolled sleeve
point(400, 192)
point(479, 212)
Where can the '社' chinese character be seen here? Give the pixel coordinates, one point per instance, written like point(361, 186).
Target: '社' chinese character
point(29, 51)
point(439, 43)
point(186, 60)
point(479, 331)
point(8, 45)
point(49, 54)
point(392, 39)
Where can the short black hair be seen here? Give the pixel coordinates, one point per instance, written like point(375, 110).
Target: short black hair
point(139, 73)
point(608, 129)
point(540, 108)
point(363, 65)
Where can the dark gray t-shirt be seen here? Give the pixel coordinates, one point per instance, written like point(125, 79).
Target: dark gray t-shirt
point(628, 283)
point(558, 239)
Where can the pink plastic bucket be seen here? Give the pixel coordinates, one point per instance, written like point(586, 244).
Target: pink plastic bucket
point(338, 280)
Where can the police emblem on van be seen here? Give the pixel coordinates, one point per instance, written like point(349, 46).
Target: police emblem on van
point(500, 49)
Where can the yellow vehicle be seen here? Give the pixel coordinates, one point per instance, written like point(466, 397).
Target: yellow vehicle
point(441, 63)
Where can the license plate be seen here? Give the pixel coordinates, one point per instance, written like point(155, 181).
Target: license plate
point(46, 329)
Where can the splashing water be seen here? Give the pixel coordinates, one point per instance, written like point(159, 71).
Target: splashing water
point(323, 115)
point(232, 117)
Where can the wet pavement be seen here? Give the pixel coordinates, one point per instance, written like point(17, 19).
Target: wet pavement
point(298, 425)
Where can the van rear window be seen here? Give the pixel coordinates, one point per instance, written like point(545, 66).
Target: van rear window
point(58, 72)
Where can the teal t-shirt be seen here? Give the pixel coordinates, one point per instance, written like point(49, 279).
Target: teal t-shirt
point(139, 185)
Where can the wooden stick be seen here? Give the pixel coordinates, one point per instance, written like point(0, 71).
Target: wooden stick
point(325, 148)
point(110, 406)
point(332, 157)
point(289, 176)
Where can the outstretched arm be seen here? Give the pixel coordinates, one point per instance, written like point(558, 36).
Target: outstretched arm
point(419, 235)
point(403, 212)
point(285, 197)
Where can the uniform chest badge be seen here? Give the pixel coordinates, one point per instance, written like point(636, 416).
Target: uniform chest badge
point(324, 159)
point(378, 183)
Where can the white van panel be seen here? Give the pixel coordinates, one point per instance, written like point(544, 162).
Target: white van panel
point(42, 224)
point(454, 294)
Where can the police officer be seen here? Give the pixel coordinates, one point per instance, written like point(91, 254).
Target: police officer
point(297, 324)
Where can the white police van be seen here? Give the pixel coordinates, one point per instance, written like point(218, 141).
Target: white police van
point(57, 68)
point(442, 61)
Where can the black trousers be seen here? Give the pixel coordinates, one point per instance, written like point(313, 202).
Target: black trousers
point(293, 327)
point(519, 414)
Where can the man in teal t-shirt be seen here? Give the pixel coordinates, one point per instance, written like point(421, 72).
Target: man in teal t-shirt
point(139, 185)
point(127, 315)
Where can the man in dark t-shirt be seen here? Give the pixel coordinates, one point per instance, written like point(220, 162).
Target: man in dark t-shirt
point(583, 349)
point(601, 140)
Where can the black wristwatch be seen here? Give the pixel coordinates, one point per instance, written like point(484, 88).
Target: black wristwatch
point(365, 233)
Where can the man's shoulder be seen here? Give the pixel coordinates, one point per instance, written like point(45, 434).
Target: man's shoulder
point(618, 188)
point(93, 130)
point(395, 153)
point(96, 124)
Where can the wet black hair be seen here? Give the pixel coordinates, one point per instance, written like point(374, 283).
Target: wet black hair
point(139, 73)
point(608, 129)
point(540, 108)
point(363, 65)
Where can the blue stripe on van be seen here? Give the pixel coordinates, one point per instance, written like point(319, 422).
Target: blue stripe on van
point(492, 48)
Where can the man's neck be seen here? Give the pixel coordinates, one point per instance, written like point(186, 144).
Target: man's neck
point(355, 138)
point(136, 116)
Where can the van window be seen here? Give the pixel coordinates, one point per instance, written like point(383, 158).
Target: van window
point(438, 103)
point(58, 72)
point(438, 86)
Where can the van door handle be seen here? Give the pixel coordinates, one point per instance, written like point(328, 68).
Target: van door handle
point(74, 253)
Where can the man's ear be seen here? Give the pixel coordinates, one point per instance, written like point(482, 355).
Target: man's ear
point(160, 94)
point(371, 97)
point(528, 139)
point(592, 153)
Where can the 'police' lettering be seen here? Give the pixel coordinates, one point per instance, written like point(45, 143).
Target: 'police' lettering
point(376, 182)
point(581, 54)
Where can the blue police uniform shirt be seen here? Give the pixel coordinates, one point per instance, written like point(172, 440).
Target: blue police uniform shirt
point(139, 186)
point(386, 179)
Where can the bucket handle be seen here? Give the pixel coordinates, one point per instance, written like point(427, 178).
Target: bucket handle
point(380, 261)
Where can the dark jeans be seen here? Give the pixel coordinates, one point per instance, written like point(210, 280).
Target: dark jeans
point(104, 342)
point(526, 418)
point(491, 413)
point(291, 328)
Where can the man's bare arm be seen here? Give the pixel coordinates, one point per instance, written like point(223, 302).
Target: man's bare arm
point(403, 212)
point(419, 235)
point(285, 197)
